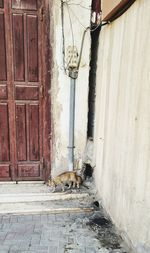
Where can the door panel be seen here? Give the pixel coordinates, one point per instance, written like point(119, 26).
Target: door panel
point(29, 171)
point(5, 172)
point(27, 130)
point(18, 46)
point(26, 93)
point(4, 133)
point(21, 132)
point(2, 49)
point(34, 150)
point(1, 3)
point(32, 37)
point(3, 91)
point(22, 102)
point(24, 4)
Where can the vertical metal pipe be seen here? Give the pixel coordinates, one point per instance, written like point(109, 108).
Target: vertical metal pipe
point(71, 124)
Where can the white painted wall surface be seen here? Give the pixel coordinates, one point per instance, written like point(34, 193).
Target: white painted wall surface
point(122, 134)
point(80, 17)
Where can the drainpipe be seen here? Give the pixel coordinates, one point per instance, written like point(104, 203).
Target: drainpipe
point(73, 74)
point(73, 67)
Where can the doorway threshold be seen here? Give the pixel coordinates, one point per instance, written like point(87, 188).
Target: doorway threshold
point(21, 182)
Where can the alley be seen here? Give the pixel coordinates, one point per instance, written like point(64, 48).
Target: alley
point(71, 232)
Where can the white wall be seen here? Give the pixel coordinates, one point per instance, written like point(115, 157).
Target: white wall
point(122, 134)
point(80, 16)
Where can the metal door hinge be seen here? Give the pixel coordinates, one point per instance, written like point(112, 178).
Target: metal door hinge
point(42, 91)
point(41, 13)
point(42, 159)
point(50, 136)
point(42, 162)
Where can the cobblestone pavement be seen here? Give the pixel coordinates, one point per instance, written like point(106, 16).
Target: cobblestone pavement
point(51, 233)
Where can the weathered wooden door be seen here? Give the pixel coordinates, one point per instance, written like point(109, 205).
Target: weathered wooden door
point(24, 105)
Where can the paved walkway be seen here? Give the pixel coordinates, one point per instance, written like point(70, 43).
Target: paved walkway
point(62, 222)
point(51, 233)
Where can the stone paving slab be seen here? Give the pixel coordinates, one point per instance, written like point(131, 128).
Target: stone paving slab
point(49, 233)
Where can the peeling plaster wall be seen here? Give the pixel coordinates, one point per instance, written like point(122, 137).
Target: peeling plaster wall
point(61, 83)
point(122, 133)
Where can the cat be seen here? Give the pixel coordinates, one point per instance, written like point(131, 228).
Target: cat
point(68, 177)
point(79, 181)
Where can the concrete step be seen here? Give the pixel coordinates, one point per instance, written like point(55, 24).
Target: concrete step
point(39, 197)
point(23, 187)
point(44, 203)
point(29, 197)
point(33, 208)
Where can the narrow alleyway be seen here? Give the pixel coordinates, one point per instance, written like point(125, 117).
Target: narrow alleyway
point(53, 233)
point(84, 228)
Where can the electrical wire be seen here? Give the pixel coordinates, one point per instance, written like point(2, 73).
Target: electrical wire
point(70, 24)
point(63, 37)
point(81, 49)
point(76, 17)
point(99, 26)
point(83, 38)
point(92, 30)
point(63, 34)
point(80, 5)
point(86, 8)
point(67, 3)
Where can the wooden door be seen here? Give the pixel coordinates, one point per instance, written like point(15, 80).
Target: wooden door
point(24, 101)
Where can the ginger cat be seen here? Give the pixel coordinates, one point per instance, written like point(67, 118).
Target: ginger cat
point(68, 177)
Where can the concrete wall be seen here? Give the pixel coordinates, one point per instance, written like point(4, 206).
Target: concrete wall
point(80, 17)
point(122, 134)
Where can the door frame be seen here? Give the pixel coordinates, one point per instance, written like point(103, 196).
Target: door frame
point(47, 60)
